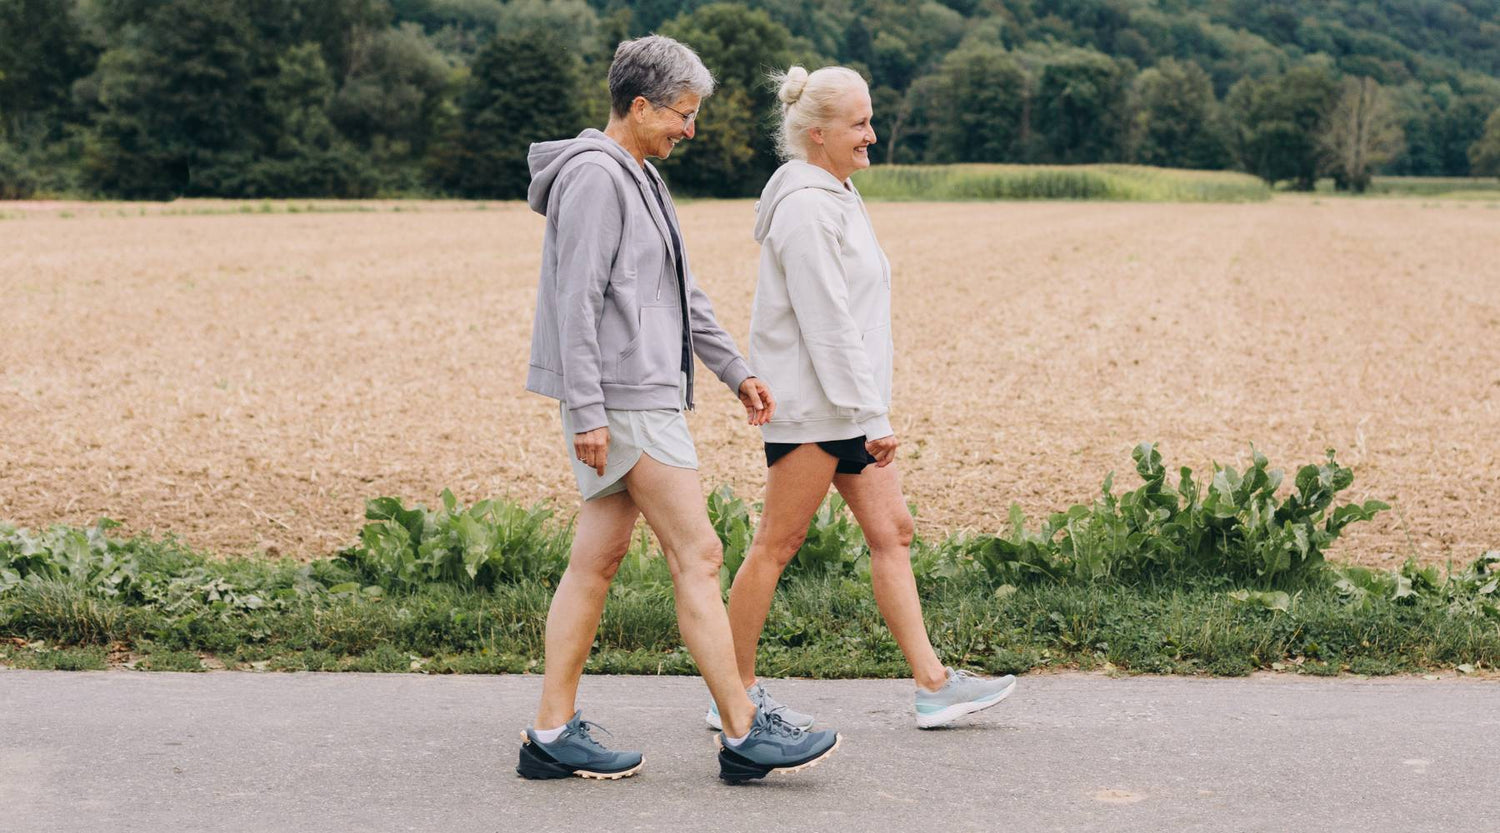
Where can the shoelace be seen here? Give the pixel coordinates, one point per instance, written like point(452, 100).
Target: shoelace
point(770, 704)
point(776, 725)
point(583, 731)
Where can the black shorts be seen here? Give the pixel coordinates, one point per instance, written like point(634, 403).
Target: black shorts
point(851, 453)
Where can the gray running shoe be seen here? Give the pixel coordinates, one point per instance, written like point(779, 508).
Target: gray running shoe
point(575, 752)
point(762, 698)
point(963, 694)
point(773, 745)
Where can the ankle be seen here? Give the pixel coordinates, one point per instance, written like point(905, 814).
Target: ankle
point(548, 735)
point(548, 720)
point(931, 680)
point(738, 725)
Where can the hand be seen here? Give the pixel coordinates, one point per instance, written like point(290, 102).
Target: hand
point(883, 450)
point(756, 397)
point(592, 448)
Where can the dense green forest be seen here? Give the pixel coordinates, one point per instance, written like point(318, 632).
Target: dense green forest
point(351, 98)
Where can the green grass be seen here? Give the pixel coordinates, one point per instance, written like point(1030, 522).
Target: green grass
point(39, 657)
point(1129, 183)
point(170, 660)
point(1221, 577)
point(831, 628)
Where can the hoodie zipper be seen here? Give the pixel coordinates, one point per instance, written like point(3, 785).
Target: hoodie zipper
point(676, 255)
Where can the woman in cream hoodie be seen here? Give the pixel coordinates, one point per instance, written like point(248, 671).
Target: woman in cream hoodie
point(820, 336)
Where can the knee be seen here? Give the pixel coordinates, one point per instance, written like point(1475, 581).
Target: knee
point(779, 548)
point(893, 538)
point(603, 565)
point(906, 529)
point(702, 557)
point(611, 565)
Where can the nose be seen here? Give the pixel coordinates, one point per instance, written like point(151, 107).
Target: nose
point(690, 128)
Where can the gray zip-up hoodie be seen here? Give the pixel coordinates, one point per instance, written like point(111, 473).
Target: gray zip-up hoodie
point(821, 326)
point(608, 326)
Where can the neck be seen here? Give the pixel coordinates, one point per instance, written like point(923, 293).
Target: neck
point(822, 161)
point(621, 133)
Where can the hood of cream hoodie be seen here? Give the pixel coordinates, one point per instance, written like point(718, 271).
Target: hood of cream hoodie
point(789, 179)
point(820, 326)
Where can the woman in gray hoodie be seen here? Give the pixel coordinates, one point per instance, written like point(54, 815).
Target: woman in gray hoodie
point(618, 321)
point(821, 333)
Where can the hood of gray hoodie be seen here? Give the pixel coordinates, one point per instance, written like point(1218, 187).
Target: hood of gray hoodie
point(790, 178)
point(547, 160)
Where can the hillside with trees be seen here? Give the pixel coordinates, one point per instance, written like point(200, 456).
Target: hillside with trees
point(354, 98)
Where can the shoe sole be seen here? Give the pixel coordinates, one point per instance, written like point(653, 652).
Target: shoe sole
point(756, 771)
point(957, 710)
point(535, 767)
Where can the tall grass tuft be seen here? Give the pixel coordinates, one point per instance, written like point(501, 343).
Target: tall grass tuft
point(67, 613)
point(1123, 183)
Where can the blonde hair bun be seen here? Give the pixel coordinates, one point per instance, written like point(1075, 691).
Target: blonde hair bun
point(792, 84)
point(809, 100)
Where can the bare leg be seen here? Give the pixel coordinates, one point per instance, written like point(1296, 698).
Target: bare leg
point(672, 501)
point(794, 488)
point(600, 542)
point(877, 503)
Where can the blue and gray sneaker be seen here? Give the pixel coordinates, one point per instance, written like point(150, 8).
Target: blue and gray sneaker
point(963, 694)
point(762, 698)
point(773, 745)
point(575, 752)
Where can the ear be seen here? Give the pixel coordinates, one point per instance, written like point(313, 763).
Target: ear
point(640, 107)
point(816, 134)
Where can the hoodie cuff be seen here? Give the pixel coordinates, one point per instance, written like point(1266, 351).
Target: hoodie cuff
point(587, 418)
point(877, 428)
point(735, 375)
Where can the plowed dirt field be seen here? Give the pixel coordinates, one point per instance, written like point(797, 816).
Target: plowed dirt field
point(247, 381)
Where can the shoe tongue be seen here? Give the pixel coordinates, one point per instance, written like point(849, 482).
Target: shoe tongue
point(772, 721)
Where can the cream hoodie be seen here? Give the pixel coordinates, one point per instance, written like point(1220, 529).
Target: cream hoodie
point(820, 330)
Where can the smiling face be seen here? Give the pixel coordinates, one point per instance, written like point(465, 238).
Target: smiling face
point(659, 129)
point(842, 146)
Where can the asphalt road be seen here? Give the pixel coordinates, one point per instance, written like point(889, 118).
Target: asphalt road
point(129, 751)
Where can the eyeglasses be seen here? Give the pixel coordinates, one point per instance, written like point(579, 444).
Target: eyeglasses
point(687, 118)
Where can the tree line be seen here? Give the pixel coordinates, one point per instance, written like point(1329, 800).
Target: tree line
point(355, 98)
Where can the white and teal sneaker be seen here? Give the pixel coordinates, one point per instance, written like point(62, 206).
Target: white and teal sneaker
point(963, 694)
point(762, 698)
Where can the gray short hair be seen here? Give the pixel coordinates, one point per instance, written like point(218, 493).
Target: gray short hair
point(659, 70)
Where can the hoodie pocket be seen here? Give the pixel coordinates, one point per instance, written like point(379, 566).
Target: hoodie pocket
point(622, 366)
point(655, 356)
